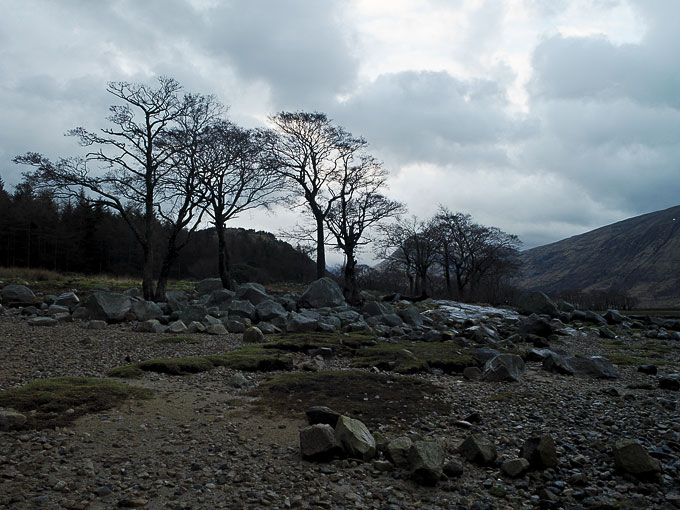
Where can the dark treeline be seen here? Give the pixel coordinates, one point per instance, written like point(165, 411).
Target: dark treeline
point(77, 236)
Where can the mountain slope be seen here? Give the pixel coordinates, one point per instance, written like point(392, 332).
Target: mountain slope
point(640, 256)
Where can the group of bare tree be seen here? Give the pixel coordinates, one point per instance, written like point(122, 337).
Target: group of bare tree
point(450, 247)
point(174, 159)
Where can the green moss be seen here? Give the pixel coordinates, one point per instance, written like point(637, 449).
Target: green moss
point(373, 398)
point(178, 340)
point(343, 344)
point(125, 372)
point(410, 357)
point(627, 359)
point(48, 401)
point(177, 366)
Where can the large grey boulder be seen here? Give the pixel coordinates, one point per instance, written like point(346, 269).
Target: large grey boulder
point(318, 442)
point(253, 292)
point(241, 308)
point(300, 323)
point(631, 457)
point(107, 306)
point(177, 327)
point(150, 326)
point(355, 438)
point(322, 414)
point(504, 367)
point(253, 335)
point(426, 461)
point(208, 285)
point(324, 292)
point(614, 317)
point(19, 294)
point(177, 300)
point(538, 303)
point(593, 366)
point(535, 325)
point(269, 309)
point(398, 450)
point(193, 313)
point(220, 298)
point(557, 363)
point(411, 316)
point(146, 310)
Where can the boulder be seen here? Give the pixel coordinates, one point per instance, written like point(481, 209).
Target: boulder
point(177, 300)
point(208, 285)
point(241, 308)
point(253, 292)
point(11, 420)
point(670, 382)
point(515, 467)
point(216, 329)
point(593, 366)
point(69, 299)
point(55, 309)
point(196, 327)
point(269, 309)
point(235, 326)
point(108, 306)
point(253, 335)
point(355, 438)
point(484, 354)
point(298, 323)
point(535, 325)
point(426, 462)
point(17, 294)
point(538, 303)
point(193, 313)
point(478, 450)
point(540, 452)
point(614, 317)
point(373, 308)
point(472, 373)
point(177, 327)
point(557, 363)
point(398, 450)
point(324, 292)
point(150, 326)
point(631, 457)
point(595, 318)
point(146, 310)
point(504, 367)
point(318, 442)
point(220, 298)
point(322, 414)
point(411, 316)
point(134, 292)
point(96, 324)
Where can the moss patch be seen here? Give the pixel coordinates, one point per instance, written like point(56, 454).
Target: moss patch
point(373, 398)
point(343, 344)
point(47, 401)
point(627, 359)
point(411, 357)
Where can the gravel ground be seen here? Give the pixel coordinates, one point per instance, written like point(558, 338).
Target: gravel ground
point(198, 444)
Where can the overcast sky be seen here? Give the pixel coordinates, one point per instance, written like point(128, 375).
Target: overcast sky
point(546, 118)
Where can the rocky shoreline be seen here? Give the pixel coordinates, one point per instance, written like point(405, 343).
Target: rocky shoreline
point(202, 443)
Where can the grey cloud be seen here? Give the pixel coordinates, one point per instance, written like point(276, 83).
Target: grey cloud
point(426, 116)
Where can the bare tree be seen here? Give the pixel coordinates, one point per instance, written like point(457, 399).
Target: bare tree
point(235, 176)
point(472, 252)
point(358, 206)
point(134, 156)
point(410, 244)
point(308, 152)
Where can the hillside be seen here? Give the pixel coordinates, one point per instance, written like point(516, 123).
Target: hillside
point(639, 256)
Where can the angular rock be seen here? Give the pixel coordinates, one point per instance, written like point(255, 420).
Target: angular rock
point(55, 309)
point(472, 373)
point(270, 309)
point(318, 442)
point(426, 462)
point(177, 300)
point(96, 325)
point(216, 329)
point(478, 450)
point(355, 438)
point(108, 306)
point(253, 292)
point(220, 298)
point(484, 354)
point(298, 323)
point(241, 308)
point(193, 313)
point(647, 369)
point(398, 450)
point(235, 326)
point(146, 310)
point(68, 299)
point(177, 327)
point(538, 303)
point(324, 292)
point(411, 316)
point(504, 367)
point(593, 366)
point(614, 317)
point(322, 414)
point(150, 326)
point(631, 457)
point(197, 327)
point(671, 382)
point(595, 318)
point(557, 364)
point(515, 468)
point(17, 294)
point(253, 335)
point(11, 420)
point(454, 468)
point(535, 325)
point(540, 452)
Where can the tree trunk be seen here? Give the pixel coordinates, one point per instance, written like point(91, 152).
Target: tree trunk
point(447, 271)
point(222, 256)
point(320, 248)
point(351, 289)
point(147, 272)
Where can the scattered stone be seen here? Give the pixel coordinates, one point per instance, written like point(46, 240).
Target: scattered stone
point(96, 324)
point(540, 452)
point(538, 303)
point(515, 468)
point(535, 325)
point(671, 382)
point(43, 321)
point(177, 327)
point(216, 329)
point(150, 326)
point(355, 438)
point(472, 373)
point(454, 468)
point(11, 420)
point(478, 450)
point(253, 335)
point(107, 306)
point(252, 292)
point(614, 317)
point(398, 450)
point(324, 292)
point(631, 457)
point(322, 414)
point(208, 285)
point(504, 367)
point(318, 442)
point(17, 294)
point(647, 369)
point(146, 310)
point(426, 462)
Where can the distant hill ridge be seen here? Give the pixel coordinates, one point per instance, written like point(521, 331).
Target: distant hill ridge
point(639, 256)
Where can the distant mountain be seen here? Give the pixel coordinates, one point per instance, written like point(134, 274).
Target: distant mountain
point(639, 256)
